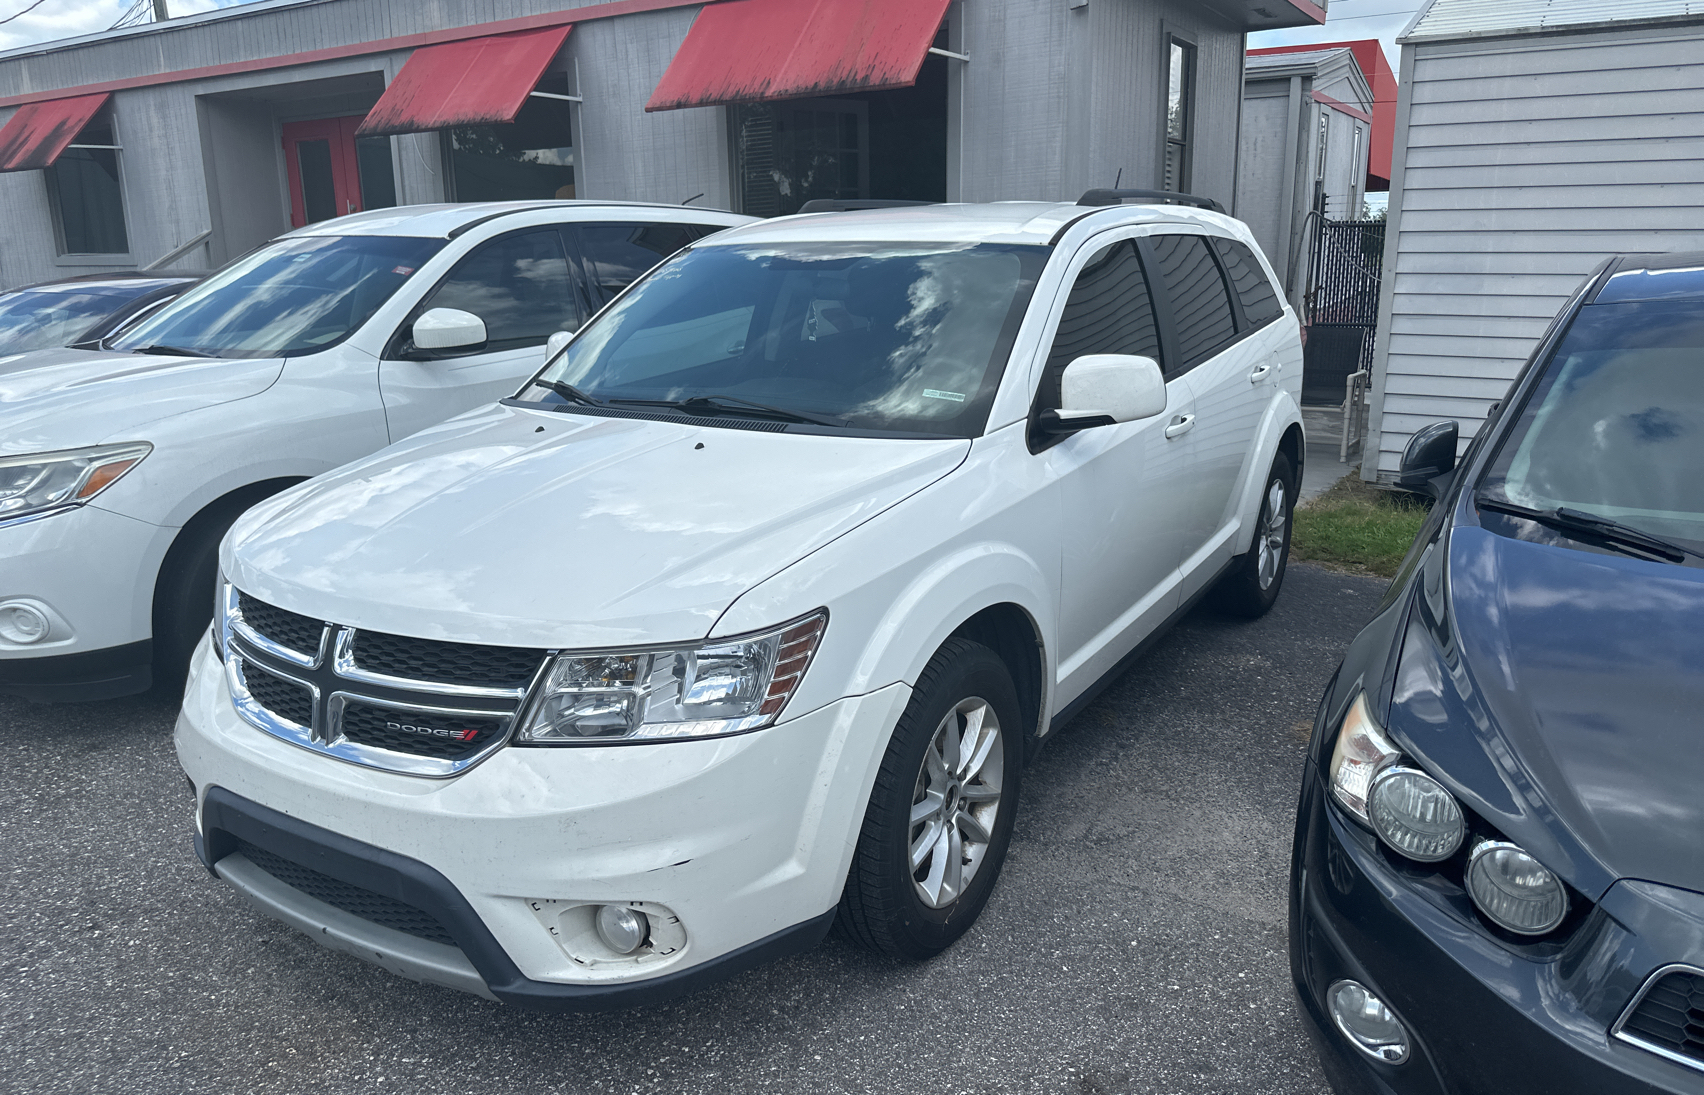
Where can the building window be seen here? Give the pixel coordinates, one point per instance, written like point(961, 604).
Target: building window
point(529, 159)
point(790, 153)
point(86, 193)
point(1180, 104)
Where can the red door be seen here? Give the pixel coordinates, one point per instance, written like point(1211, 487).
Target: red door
point(325, 175)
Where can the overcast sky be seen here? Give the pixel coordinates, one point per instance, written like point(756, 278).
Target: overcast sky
point(69, 18)
point(1348, 21)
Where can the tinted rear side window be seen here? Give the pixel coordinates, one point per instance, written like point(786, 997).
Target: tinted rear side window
point(1108, 312)
point(1201, 306)
point(1260, 304)
point(617, 255)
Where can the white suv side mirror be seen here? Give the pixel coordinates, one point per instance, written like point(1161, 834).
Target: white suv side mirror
point(1102, 389)
point(449, 329)
point(554, 345)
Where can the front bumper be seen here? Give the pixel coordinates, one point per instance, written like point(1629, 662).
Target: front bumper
point(746, 840)
point(1484, 1016)
point(92, 573)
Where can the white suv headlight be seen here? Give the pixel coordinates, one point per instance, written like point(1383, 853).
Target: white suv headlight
point(45, 481)
point(723, 687)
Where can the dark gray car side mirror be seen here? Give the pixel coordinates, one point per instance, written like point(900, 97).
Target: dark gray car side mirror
point(1429, 458)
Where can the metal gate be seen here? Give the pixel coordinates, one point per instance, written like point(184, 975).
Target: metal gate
point(1343, 307)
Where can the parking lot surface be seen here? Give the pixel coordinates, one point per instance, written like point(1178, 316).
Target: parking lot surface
point(1135, 943)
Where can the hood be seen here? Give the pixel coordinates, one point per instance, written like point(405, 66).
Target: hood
point(546, 529)
point(62, 399)
point(1580, 680)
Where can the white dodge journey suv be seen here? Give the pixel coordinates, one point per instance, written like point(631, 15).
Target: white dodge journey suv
point(121, 468)
point(746, 613)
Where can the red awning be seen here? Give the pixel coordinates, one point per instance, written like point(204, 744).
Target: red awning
point(753, 51)
point(477, 81)
point(39, 132)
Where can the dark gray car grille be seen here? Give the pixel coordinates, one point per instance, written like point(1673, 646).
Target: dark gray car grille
point(422, 706)
point(387, 912)
point(1671, 1015)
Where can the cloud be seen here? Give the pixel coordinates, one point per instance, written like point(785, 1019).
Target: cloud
point(57, 19)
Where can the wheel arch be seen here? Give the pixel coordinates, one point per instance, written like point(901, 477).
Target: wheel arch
point(1011, 632)
point(226, 507)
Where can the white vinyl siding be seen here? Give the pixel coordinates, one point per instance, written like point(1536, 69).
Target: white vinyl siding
point(1524, 161)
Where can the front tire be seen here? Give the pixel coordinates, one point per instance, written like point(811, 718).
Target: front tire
point(940, 816)
point(1251, 586)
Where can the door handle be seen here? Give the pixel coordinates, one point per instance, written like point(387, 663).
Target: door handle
point(1260, 373)
point(1180, 425)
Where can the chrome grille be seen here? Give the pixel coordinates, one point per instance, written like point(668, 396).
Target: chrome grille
point(419, 706)
point(1667, 1017)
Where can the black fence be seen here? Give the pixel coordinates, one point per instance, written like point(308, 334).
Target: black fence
point(1342, 305)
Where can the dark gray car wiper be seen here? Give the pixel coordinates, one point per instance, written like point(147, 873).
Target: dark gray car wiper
point(698, 404)
point(569, 392)
point(1605, 528)
point(170, 351)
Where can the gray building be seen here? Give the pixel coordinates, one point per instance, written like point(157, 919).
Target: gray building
point(1307, 123)
point(1533, 139)
point(187, 142)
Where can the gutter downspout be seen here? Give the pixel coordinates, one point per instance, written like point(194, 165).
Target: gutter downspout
point(1287, 226)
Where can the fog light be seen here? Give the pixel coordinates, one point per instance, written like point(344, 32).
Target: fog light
point(1367, 1023)
point(621, 929)
point(1515, 890)
point(1414, 814)
point(23, 623)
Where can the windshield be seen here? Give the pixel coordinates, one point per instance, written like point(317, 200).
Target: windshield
point(293, 296)
point(1615, 426)
point(889, 337)
point(37, 319)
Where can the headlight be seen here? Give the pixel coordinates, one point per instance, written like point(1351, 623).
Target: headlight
point(1515, 890)
point(722, 687)
point(1362, 752)
point(46, 481)
point(1415, 814)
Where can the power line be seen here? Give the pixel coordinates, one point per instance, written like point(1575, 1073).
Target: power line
point(21, 14)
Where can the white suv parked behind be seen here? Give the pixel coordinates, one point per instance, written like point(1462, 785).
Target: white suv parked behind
point(121, 469)
point(747, 612)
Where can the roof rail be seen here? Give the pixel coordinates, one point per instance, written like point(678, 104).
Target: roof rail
point(1151, 197)
point(848, 205)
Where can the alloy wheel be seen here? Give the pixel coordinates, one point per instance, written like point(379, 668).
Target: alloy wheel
point(1271, 535)
point(956, 802)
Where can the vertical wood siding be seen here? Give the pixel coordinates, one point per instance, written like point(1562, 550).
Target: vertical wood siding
point(1529, 160)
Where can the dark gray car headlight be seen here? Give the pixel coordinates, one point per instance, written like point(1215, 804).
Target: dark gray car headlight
point(726, 686)
point(1410, 811)
point(1514, 890)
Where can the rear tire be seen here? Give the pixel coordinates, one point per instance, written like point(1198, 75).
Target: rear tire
point(940, 816)
point(1250, 588)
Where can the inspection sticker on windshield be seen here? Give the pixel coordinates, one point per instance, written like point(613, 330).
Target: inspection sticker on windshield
point(930, 393)
point(403, 270)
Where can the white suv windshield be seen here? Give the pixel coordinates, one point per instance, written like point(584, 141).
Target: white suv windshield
point(890, 337)
point(294, 296)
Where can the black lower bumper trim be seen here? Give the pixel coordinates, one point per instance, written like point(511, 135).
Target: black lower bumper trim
point(227, 818)
point(86, 676)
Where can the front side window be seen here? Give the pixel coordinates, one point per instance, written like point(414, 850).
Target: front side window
point(1109, 311)
point(529, 159)
point(1180, 103)
point(617, 255)
point(518, 284)
point(908, 338)
point(1201, 306)
point(298, 295)
point(86, 193)
point(1615, 426)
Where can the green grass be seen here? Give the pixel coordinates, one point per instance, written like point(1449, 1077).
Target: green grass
point(1357, 527)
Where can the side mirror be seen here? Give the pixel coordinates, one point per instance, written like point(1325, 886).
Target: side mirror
point(1105, 389)
point(449, 329)
point(554, 345)
point(1429, 457)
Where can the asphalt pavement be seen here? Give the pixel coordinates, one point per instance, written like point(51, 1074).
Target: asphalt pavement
point(1135, 943)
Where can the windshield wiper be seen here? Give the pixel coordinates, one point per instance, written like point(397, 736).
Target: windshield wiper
point(569, 392)
point(1604, 528)
point(699, 404)
point(170, 351)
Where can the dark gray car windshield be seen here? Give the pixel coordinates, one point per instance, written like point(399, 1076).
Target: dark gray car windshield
point(37, 319)
point(898, 337)
point(293, 296)
point(1615, 426)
